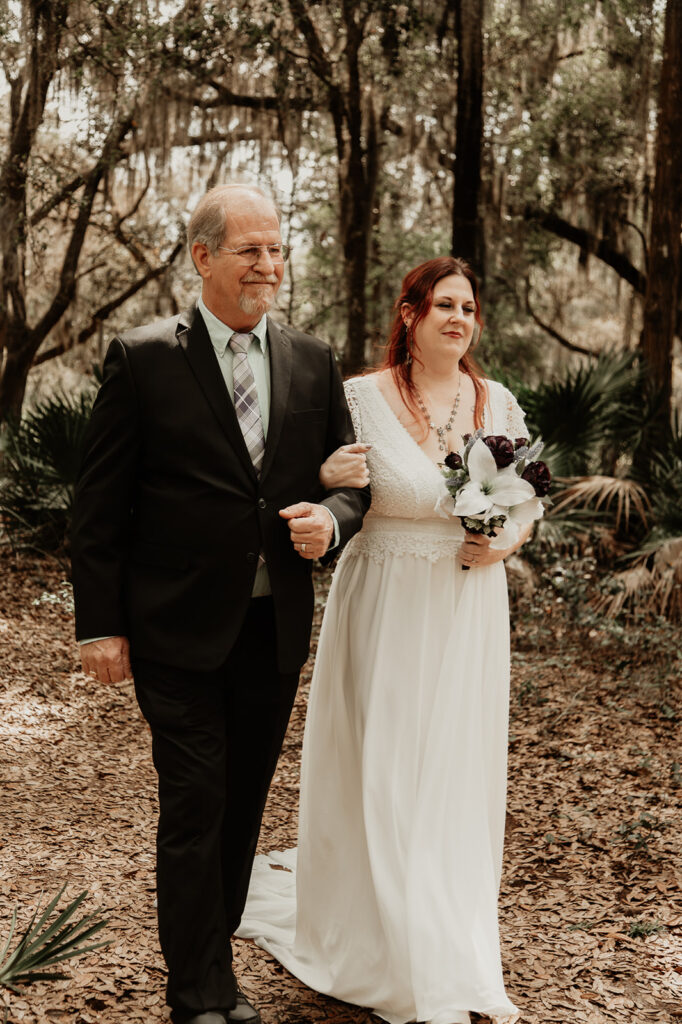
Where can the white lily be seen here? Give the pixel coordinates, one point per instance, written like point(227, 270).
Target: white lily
point(517, 516)
point(490, 491)
point(527, 512)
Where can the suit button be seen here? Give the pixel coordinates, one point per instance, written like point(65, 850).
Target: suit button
point(251, 557)
point(262, 503)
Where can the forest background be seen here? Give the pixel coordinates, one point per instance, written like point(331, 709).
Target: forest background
point(542, 141)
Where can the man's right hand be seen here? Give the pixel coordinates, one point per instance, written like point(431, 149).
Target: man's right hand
point(108, 660)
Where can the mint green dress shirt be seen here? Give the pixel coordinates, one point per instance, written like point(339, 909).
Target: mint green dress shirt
point(257, 354)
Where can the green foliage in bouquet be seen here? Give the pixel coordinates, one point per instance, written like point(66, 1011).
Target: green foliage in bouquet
point(44, 944)
point(39, 462)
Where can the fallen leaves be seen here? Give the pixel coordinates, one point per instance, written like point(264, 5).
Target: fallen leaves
point(591, 902)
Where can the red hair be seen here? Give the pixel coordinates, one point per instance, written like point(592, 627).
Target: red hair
point(417, 293)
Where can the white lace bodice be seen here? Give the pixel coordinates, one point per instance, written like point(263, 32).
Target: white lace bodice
point(406, 484)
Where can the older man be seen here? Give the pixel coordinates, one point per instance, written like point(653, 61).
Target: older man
point(198, 513)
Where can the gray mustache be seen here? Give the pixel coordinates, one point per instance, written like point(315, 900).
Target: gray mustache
point(260, 279)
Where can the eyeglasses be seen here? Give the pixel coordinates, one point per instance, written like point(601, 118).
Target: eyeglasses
point(250, 254)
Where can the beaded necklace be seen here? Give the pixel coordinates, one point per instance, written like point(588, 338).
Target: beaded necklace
point(440, 432)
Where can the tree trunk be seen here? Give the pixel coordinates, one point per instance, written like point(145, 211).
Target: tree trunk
point(660, 303)
point(360, 184)
point(15, 368)
point(22, 341)
point(357, 147)
point(28, 93)
point(467, 227)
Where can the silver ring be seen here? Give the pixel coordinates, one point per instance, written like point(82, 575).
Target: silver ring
point(303, 546)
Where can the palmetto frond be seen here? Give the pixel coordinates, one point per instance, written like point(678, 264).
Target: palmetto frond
point(652, 585)
point(633, 586)
point(589, 409)
point(40, 460)
point(44, 944)
point(618, 496)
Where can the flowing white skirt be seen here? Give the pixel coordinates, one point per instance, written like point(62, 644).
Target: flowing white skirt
point(391, 901)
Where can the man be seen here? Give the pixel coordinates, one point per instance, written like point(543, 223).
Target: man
point(197, 515)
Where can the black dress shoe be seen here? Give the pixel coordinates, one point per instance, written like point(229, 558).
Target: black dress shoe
point(210, 1017)
point(243, 1013)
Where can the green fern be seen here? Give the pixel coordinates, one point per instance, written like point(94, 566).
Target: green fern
point(44, 944)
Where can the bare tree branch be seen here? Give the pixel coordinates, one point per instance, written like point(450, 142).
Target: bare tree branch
point(214, 135)
point(90, 270)
point(319, 59)
point(226, 97)
point(108, 308)
point(67, 277)
point(56, 200)
point(592, 243)
point(145, 188)
point(553, 333)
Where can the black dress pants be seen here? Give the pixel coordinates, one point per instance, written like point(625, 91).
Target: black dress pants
point(216, 738)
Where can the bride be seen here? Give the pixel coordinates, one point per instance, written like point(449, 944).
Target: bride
point(390, 901)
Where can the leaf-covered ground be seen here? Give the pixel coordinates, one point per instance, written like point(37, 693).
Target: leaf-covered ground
point(591, 909)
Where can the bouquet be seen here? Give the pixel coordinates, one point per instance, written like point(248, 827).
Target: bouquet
point(496, 482)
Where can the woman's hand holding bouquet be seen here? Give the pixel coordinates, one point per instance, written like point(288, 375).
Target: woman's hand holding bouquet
point(497, 485)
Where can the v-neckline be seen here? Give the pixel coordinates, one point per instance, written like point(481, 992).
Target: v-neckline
point(403, 428)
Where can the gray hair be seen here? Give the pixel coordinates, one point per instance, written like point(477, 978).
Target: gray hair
point(208, 223)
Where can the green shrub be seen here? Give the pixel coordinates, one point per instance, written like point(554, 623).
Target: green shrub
point(40, 459)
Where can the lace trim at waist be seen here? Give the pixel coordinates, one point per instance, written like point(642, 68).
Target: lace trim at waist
point(384, 536)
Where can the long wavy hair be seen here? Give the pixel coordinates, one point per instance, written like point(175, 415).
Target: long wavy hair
point(417, 293)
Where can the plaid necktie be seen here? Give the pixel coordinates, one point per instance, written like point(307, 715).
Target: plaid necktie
point(246, 399)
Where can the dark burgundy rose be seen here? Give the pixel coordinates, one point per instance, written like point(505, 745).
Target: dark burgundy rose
point(466, 438)
point(501, 448)
point(521, 442)
point(538, 474)
point(453, 460)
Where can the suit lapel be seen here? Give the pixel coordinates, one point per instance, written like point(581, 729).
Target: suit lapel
point(194, 340)
point(279, 348)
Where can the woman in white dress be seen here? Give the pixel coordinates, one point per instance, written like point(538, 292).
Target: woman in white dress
point(390, 901)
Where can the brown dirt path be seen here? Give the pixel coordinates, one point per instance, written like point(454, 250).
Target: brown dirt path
point(591, 910)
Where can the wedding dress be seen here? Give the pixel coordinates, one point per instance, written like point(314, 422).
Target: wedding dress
point(390, 901)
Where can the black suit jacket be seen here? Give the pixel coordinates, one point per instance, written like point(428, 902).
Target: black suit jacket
point(169, 513)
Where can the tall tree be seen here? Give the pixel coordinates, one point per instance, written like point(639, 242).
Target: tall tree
point(351, 103)
point(48, 202)
point(42, 26)
point(663, 280)
point(357, 99)
point(467, 226)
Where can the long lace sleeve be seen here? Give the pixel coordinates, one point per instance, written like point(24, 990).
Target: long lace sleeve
point(516, 420)
point(507, 415)
point(354, 406)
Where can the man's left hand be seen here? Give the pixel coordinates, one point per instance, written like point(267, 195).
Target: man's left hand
point(311, 528)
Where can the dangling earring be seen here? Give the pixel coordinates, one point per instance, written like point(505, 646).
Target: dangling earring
point(476, 335)
point(409, 342)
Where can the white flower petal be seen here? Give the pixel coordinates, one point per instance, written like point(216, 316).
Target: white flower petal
point(471, 500)
point(527, 511)
point(445, 506)
point(511, 490)
point(496, 510)
point(481, 463)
